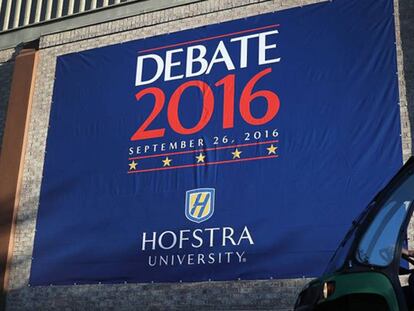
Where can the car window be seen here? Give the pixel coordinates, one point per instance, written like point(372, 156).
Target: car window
point(377, 247)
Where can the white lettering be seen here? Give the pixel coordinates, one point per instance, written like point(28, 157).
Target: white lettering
point(225, 57)
point(192, 61)
point(164, 260)
point(144, 240)
point(263, 48)
point(225, 236)
point(183, 238)
point(228, 236)
point(228, 254)
point(190, 259)
point(173, 146)
point(240, 256)
point(198, 238)
point(200, 259)
point(140, 69)
point(199, 59)
point(245, 235)
point(152, 264)
point(243, 48)
point(181, 259)
point(169, 64)
point(174, 239)
point(212, 235)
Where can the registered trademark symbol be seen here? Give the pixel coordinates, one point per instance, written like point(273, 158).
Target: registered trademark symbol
point(244, 259)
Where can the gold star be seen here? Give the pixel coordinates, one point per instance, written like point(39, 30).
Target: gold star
point(167, 162)
point(236, 154)
point(200, 158)
point(272, 149)
point(133, 165)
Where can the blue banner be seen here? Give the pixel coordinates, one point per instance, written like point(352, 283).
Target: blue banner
point(241, 150)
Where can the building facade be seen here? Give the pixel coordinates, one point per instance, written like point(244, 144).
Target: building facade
point(27, 75)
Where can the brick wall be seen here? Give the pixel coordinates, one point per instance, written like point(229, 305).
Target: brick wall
point(405, 49)
point(237, 295)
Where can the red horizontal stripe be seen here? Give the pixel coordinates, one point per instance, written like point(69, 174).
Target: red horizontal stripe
point(209, 38)
point(202, 164)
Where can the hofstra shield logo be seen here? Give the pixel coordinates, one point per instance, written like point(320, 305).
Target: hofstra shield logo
point(199, 204)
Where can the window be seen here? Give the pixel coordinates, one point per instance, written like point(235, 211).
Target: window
point(377, 247)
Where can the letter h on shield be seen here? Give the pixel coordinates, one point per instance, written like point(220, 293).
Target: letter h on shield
point(199, 204)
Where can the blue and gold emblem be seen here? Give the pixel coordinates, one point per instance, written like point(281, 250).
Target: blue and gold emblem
point(199, 204)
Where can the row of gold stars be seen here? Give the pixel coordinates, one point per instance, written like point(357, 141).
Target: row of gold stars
point(200, 157)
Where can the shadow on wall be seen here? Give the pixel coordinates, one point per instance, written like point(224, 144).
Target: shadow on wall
point(406, 12)
point(18, 261)
point(6, 75)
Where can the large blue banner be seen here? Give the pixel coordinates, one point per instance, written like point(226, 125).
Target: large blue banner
point(238, 150)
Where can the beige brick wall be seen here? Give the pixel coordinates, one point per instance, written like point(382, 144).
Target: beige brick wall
point(238, 295)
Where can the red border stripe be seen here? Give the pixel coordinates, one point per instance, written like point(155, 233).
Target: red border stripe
point(202, 164)
point(209, 38)
point(202, 150)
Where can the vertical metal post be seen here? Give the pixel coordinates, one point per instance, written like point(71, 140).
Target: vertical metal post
point(48, 9)
point(71, 7)
point(38, 11)
point(59, 8)
point(105, 3)
point(17, 10)
point(93, 4)
point(1, 3)
point(117, 1)
point(27, 12)
point(81, 6)
point(7, 15)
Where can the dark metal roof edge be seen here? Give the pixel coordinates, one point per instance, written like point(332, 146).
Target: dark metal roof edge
point(15, 37)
